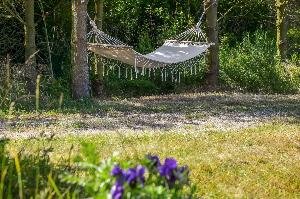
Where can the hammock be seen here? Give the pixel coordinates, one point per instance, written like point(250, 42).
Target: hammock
point(184, 47)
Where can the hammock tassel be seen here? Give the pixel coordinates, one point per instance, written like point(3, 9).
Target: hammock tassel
point(143, 71)
point(166, 74)
point(103, 71)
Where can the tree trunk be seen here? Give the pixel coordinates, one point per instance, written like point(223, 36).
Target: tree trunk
point(213, 52)
point(98, 65)
point(282, 28)
point(80, 75)
point(99, 4)
point(30, 47)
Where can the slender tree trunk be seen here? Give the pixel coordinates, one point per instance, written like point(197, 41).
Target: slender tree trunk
point(30, 46)
point(98, 64)
point(213, 53)
point(99, 13)
point(80, 76)
point(282, 28)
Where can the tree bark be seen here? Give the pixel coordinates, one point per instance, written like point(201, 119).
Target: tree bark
point(98, 67)
point(80, 72)
point(99, 13)
point(282, 28)
point(30, 46)
point(213, 52)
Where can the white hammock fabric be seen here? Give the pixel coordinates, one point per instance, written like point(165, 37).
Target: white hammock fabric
point(179, 50)
point(171, 52)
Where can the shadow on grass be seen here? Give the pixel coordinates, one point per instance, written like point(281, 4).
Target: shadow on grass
point(170, 111)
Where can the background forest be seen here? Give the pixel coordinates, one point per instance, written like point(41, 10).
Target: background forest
point(229, 129)
point(247, 32)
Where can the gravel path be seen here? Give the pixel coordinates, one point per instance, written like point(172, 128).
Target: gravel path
point(185, 112)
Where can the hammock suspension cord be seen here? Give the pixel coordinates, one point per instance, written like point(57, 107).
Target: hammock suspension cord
point(171, 59)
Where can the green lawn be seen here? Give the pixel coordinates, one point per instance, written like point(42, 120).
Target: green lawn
point(236, 145)
point(259, 162)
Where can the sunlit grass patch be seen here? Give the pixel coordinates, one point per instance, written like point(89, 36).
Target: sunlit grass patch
point(258, 162)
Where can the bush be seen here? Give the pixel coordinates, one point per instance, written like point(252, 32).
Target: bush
point(252, 66)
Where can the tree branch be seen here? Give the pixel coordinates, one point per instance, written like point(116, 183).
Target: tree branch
point(11, 9)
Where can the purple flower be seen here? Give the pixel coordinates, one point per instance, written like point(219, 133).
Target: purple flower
point(131, 176)
point(141, 172)
point(134, 175)
point(168, 167)
point(117, 191)
point(154, 160)
point(171, 163)
point(117, 171)
point(168, 170)
point(119, 174)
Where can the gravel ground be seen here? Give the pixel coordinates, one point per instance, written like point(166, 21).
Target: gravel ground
point(184, 112)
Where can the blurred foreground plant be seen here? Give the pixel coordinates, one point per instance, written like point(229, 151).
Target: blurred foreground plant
point(120, 179)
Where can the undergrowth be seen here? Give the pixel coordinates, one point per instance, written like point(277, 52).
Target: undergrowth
point(252, 66)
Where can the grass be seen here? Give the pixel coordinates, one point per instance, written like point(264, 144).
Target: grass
point(206, 111)
point(260, 162)
point(237, 145)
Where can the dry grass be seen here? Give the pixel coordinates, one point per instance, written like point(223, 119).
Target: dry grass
point(206, 111)
point(237, 145)
point(260, 162)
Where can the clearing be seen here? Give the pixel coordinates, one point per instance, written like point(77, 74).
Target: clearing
point(236, 145)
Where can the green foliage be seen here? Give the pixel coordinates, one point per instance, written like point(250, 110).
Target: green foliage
point(294, 72)
point(294, 45)
point(144, 43)
point(130, 88)
point(94, 177)
point(12, 85)
point(14, 96)
point(25, 176)
point(54, 87)
point(252, 66)
point(238, 17)
point(246, 62)
point(98, 180)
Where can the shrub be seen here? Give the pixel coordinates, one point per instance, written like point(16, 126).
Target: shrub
point(252, 66)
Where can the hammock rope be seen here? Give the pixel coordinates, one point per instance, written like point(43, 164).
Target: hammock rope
point(181, 48)
point(172, 58)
